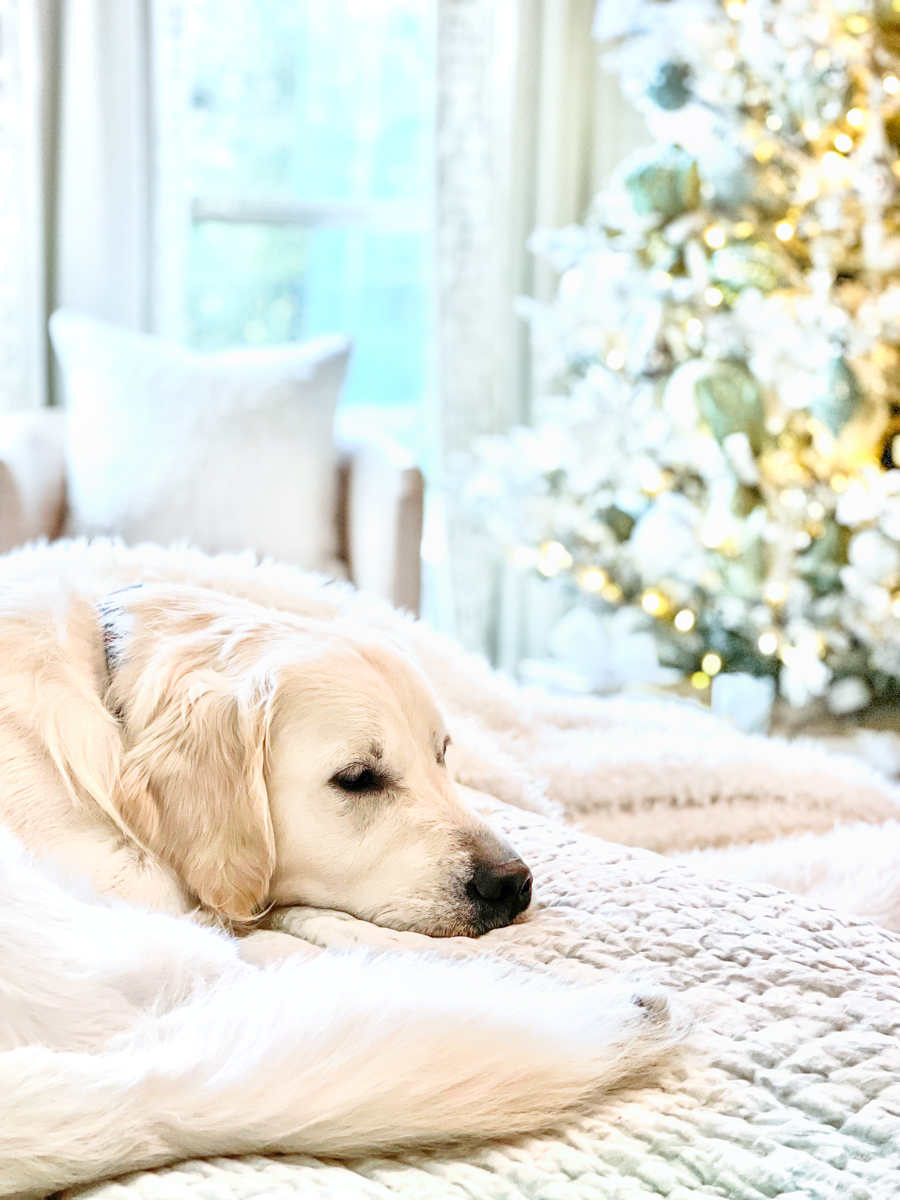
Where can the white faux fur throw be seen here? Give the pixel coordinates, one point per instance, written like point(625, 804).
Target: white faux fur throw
point(792, 1085)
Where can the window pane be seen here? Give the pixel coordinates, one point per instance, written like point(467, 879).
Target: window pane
point(313, 99)
point(372, 284)
point(310, 103)
point(268, 265)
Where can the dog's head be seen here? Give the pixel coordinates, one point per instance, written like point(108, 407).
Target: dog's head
point(275, 760)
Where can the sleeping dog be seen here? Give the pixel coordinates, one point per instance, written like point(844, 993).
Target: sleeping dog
point(203, 753)
point(206, 760)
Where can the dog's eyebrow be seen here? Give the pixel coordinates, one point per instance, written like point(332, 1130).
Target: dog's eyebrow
point(376, 752)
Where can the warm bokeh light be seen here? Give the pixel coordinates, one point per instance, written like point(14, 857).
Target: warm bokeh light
point(768, 643)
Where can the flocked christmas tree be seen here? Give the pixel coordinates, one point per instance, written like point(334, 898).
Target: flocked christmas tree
point(717, 442)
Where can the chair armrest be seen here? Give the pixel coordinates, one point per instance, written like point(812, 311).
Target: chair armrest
point(32, 476)
point(382, 518)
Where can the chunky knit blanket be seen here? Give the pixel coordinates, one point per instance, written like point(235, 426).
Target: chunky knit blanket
point(790, 1083)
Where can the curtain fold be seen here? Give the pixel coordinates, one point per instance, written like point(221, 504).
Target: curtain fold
point(476, 55)
point(22, 280)
point(515, 138)
point(104, 175)
point(76, 176)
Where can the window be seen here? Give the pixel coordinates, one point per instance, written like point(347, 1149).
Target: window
point(296, 183)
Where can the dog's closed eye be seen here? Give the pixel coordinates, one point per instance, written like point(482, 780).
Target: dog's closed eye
point(361, 777)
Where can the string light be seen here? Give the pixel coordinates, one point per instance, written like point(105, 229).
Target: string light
point(651, 479)
point(715, 531)
point(593, 579)
point(844, 143)
point(711, 664)
point(694, 327)
point(652, 603)
point(775, 593)
point(615, 360)
point(895, 606)
point(713, 296)
point(714, 237)
point(773, 122)
point(684, 620)
point(743, 229)
point(784, 231)
point(735, 10)
point(700, 680)
point(856, 117)
point(768, 643)
point(553, 557)
point(724, 60)
point(891, 84)
point(856, 24)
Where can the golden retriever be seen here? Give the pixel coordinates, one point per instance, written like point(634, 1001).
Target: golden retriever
point(192, 751)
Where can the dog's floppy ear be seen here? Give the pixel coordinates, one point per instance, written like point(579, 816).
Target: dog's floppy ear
point(192, 785)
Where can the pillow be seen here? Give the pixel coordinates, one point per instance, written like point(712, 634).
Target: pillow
point(229, 451)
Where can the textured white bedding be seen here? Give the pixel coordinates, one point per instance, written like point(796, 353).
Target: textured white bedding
point(791, 1089)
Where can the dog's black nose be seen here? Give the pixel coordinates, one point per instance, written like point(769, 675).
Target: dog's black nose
point(499, 892)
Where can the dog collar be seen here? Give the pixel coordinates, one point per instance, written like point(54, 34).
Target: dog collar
point(115, 626)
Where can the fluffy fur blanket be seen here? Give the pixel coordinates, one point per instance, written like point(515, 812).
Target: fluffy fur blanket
point(792, 1084)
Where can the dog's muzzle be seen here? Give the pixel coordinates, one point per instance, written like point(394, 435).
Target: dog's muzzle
point(499, 893)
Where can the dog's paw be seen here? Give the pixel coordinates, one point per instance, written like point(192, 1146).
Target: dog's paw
point(332, 929)
point(655, 1005)
point(267, 946)
point(661, 1021)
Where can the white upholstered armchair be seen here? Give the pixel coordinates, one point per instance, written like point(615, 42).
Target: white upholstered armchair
point(229, 451)
point(378, 511)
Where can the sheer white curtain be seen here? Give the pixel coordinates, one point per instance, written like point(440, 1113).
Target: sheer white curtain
point(103, 193)
point(76, 175)
point(528, 124)
point(22, 233)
